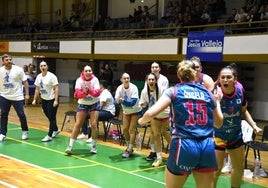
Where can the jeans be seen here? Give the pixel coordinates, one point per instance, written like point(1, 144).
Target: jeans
point(5, 108)
point(50, 112)
point(103, 116)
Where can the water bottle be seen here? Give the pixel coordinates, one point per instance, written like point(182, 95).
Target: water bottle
point(138, 141)
point(257, 166)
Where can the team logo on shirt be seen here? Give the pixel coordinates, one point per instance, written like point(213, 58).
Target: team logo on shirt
point(7, 83)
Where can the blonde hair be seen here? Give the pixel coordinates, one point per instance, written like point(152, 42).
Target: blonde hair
point(186, 70)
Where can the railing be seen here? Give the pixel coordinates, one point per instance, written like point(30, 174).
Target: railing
point(164, 32)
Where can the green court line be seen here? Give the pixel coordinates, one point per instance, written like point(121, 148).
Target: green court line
point(107, 164)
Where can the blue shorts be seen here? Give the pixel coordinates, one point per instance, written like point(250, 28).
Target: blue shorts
point(88, 108)
point(187, 155)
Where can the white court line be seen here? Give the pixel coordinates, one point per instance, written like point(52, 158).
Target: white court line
point(7, 184)
point(50, 171)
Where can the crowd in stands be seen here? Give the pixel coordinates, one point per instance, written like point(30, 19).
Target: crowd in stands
point(253, 11)
point(178, 14)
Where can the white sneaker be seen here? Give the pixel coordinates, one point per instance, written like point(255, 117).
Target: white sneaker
point(2, 137)
point(47, 139)
point(24, 135)
point(82, 136)
point(263, 173)
point(93, 150)
point(55, 133)
point(89, 140)
point(157, 162)
point(227, 168)
point(68, 150)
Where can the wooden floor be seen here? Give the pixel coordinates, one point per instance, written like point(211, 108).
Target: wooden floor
point(36, 119)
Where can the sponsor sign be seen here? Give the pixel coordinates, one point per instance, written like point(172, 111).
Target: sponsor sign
point(208, 46)
point(52, 47)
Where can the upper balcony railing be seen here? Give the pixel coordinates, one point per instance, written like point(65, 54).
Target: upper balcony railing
point(248, 28)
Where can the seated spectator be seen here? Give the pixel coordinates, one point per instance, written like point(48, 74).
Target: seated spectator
point(134, 18)
point(168, 11)
point(145, 12)
point(66, 24)
point(253, 16)
point(231, 18)
point(264, 12)
point(145, 24)
point(108, 23)
point(241, 16)
point(31, 72)
point(205, 17)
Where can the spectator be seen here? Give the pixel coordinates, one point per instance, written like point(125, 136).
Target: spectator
point(127, 96)
point(31, 72)
point(108, 23)
point(241, 16)
point(11, 94)
point(48, 86)
point(66, 24)
point(87, 91)
point(107, 109)
point(231, 18)
point(159, 124)
point(168, 11)
point(264, 12)
point(106, 74)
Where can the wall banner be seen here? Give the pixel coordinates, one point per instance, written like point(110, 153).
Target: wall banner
point(208, 46)
point(52, 47)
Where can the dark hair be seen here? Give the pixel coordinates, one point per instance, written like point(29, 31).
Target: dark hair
point(156, 86)
point(104, 83)
point(231, 67)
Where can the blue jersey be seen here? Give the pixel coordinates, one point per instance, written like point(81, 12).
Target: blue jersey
point(192, 110)
point(231, 107)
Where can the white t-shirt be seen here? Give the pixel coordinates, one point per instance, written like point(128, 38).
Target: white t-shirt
point(46, 84)
point(162, 82)
point(153, 98)
point(107, 97)
point(131, 92)
point(94, 84)
point(11, 86)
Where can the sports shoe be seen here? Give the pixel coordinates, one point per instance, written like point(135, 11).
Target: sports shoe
point(227, 168)
point(127, 154)
point(82, 136)
point(55, 133)
point(68, 150)
point(89, 140)
point(157, 162)
point(263, 173)
point(93, 149)
point(47, 139)
point(2, 137)
point(151, 156)
point(24, 135)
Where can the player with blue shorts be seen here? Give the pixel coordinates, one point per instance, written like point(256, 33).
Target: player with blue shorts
point(194, 112)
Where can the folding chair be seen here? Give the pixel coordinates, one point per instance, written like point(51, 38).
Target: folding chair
point(257, 146)
point(115, 121)
point(68, 113)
